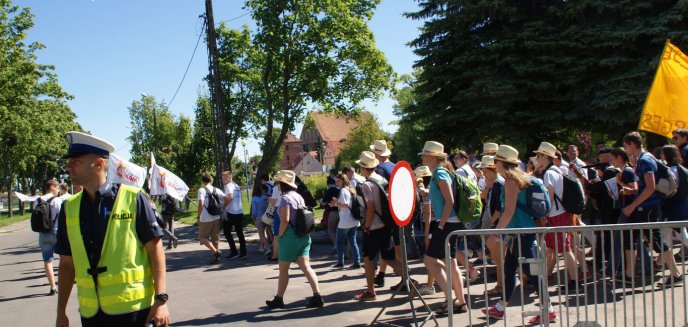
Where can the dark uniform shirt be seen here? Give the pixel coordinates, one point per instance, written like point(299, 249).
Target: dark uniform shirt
point(94, 216)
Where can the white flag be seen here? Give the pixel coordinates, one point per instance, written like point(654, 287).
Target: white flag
point(121, 171)
point(162, 181)
point(24, 198)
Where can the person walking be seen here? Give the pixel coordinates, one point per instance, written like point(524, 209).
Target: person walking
point(109, 243)
point(348, 225)
point(423, 175)
point(47, 240)
point(210, 206)
point(516, 181)
point(493, 210)
point(169, 209)
point(444, 221)
point(235, 217)
point(293, 248)
point(259, 204)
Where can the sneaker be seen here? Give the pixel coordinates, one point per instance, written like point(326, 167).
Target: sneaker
point(355, 266)
point(174, 242)
point(401, 286)
point(672, 280)
point(52, 292)
point(536, 319)
point(365, 296)
point(232, 254)
point(275, 303)
point(493, 312)
point(168, 247)
point(380, 280)
point(261, 250)
point(337, 266)
point(242, 257)
point(426, 290)
point(315, 302)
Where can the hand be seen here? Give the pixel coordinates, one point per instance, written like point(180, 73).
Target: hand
point(62, 320)
point(492, 241)
point(628, 210)
point(159, 314)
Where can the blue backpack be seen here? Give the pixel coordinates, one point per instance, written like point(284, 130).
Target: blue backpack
point(538, 203)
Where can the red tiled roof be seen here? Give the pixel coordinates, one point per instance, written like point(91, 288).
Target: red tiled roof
point(291, 138)
point(333, 128)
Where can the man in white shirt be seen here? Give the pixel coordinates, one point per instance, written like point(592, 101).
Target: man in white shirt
point(354, 179)
point(64, 191)
point(47, 240)
point(554, 182)
point(464, 169)
point(209, 224)
point(235, 217)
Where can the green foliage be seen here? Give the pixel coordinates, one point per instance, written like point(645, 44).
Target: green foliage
point(33, 107)
point(154, 129)
point(312, 52)
point(316, 184)
point(522, 72)
point(359, 139)
point(198, 157)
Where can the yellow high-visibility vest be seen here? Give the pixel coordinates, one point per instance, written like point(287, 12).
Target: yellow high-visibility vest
point(124, 274)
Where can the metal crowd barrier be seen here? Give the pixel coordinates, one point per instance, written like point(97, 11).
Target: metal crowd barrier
point(602, 299)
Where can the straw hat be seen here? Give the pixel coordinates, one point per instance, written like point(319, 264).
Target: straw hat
point(287, 177)
point(507, 153)
point(432, 148)
point(422, 171)
point(379, 147)
point(490, 148)
point(547, 149)
point(487, 162)
point(367, 160)
point(534, 161)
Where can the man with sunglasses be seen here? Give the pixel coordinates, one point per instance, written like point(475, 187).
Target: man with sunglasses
point(680, 140)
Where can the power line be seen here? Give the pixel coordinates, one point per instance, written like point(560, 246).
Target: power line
point(235, 18)
point(200, 35)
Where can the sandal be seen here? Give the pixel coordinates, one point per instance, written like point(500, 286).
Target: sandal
point(443, 310)
point(495, 291)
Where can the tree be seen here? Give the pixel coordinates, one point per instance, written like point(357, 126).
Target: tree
point(359, 139)
point(313, 53)
point(154, 129)
point(527, 71)
point(197, 158)
point(240, 82)
point(408, 139)
point(33, 109)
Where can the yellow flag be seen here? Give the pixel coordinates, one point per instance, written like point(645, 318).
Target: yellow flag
point(666, 106)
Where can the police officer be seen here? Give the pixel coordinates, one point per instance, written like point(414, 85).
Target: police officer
point(110, 244)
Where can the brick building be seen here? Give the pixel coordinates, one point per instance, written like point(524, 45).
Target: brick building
point(293, 148)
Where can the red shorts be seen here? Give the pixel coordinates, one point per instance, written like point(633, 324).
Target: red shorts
point(563, 240)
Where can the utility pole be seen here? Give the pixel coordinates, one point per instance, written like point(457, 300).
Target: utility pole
point(216, 95)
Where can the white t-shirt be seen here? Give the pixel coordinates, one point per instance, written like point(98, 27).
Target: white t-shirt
point(346, 219)
point(277, 195)
point(65, 196)
point(55, 206)
point(554, 178)
point(467, 172)
point(234, 207)
point(203, 196)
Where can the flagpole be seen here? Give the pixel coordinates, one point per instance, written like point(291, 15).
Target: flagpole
point(659, 64)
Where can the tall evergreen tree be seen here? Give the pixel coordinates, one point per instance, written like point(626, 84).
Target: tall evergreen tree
point(523, 71)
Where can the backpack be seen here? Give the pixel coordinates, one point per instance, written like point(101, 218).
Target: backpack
point(467, 203)
point(538, 203)
point(666, 181)
point(213, 206)
point(572, 198)
point(305, 222)
point(358, 205)
point(169, 206)
point(682, 177)
point(386, 214)
point(41, 221)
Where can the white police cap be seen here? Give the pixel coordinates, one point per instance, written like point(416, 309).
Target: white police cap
point(80, 144)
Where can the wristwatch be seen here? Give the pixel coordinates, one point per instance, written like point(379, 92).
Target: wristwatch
point(162, 297)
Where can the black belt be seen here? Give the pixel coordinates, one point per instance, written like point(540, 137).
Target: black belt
point(95, 271)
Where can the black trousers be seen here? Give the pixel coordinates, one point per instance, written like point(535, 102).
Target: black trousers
point(137, 318)
point(235, 221)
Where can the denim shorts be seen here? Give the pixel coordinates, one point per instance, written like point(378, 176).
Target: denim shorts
point(47, 243)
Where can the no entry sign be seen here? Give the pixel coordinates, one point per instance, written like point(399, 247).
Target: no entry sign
point(402, 193)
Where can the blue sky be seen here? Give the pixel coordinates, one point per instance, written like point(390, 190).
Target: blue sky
point(106, 53)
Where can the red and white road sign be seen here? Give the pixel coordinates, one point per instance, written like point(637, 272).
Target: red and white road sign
point(402, 193)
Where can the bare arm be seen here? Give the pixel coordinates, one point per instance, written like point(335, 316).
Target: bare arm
point(646, 193)
point(448, 202)
point(64, 286)
point(200, 209)
point(156, 256)
point(284, 220)
point(511, 195)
